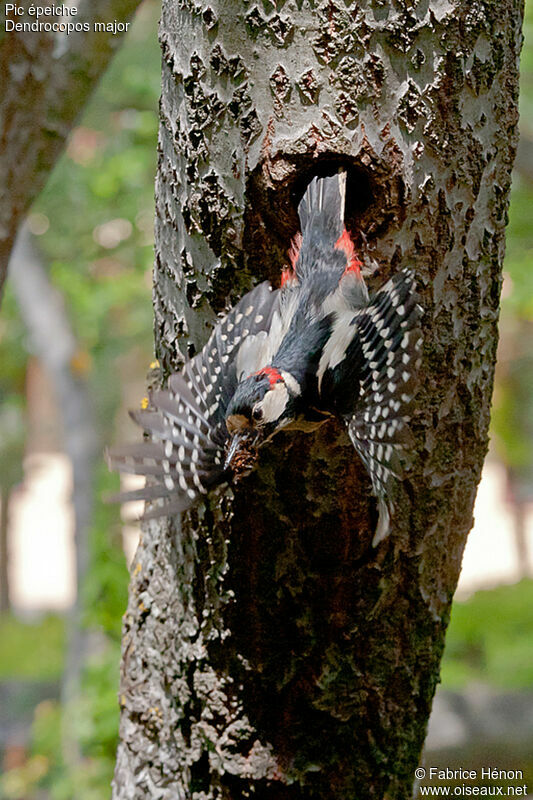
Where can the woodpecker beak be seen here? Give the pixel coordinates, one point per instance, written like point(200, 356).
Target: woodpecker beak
point(233, 448)
point(241, 454)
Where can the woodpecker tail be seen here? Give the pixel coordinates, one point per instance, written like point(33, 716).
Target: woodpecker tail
point(390, 343)
point(321, 209)
point(323, 245)
point(184, 457)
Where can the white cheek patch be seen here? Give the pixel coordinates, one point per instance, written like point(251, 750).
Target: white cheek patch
point(274, 402)
point(291, 382)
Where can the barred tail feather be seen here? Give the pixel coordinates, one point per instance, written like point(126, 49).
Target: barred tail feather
point(186, 422)
point(391, 342)
point(181, 459)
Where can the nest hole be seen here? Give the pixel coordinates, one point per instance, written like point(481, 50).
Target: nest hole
point(374, 199)
point(359, 190)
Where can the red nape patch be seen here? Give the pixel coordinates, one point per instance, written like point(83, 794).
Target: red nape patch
point(271, 373)
point(344, 243)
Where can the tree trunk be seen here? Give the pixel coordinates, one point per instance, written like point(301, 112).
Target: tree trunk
point(46, 80)
point(269, 650)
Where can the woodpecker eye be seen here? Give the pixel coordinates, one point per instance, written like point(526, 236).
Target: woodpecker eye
point(257, 413)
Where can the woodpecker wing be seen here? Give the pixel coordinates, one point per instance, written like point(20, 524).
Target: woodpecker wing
point(377, 352)
point(390, 342)
point(186, 421)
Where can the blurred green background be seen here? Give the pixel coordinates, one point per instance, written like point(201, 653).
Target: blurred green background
point(93, 228)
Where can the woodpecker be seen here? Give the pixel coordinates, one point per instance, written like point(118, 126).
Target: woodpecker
point(285, 358)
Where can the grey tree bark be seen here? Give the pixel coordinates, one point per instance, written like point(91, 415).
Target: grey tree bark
point(46, 79)
point(268, 650)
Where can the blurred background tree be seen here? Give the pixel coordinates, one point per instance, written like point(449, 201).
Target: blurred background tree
point(93, 228)
point(47, 77)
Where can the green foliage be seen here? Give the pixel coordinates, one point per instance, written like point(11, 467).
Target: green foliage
point(94, 222)
point(12, 348)
point(526, 72)
point(95, 715)
point(104, 594)
point(13, 439)
point(512, 412)
point(98, 711)
point(95, 216)
point(489, 639)
point(37, 651)
point(518, 299)
point(32, 650)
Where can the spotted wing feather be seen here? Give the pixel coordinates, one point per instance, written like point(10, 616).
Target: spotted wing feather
point(186, 422)
point(390, 342)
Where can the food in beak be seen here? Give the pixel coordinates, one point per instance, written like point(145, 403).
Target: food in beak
point(241, 454)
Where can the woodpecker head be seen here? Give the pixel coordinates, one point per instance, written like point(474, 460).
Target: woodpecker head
point(263, 403)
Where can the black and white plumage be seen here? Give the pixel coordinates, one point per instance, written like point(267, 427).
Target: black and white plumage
point(293, 356)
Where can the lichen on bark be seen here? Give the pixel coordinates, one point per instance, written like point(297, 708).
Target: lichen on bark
point(269, 651)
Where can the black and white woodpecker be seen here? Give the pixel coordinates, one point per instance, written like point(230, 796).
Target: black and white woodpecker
point(289, 357)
